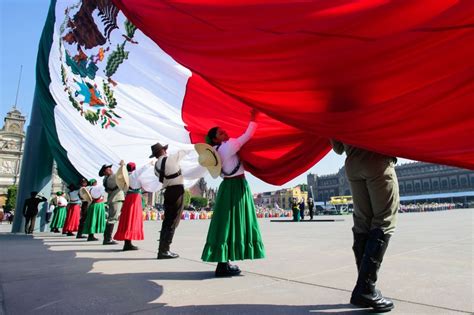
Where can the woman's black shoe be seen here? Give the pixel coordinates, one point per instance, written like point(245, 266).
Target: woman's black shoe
point(92, 238)
point(129, 246)
point(226, 270)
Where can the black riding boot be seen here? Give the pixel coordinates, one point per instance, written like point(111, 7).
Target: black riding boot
point(109, 228)
point(360, 240)
point(364, 293)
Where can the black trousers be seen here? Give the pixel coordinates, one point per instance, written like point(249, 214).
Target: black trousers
point(82, 220)
point(48, 216)
point(173, 204)
point(30, 224)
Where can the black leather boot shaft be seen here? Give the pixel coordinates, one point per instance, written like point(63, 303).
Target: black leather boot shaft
point(365, 294)
point(360, 241)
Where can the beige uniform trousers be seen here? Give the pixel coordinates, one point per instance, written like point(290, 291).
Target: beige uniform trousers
point(115, 207)
point(375, 193)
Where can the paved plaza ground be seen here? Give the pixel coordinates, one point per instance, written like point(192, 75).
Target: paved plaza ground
point(309, 269)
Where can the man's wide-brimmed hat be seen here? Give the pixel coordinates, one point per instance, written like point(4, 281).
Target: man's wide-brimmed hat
point(209, 158)
point(103, 168)
point(156, 148)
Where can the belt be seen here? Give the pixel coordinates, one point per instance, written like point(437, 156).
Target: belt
point(134, 191)
point(238, 176)
point(179, 185)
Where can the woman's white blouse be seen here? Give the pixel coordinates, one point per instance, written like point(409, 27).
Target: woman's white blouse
point(228, 151)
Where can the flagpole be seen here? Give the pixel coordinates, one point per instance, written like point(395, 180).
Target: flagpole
point(37, 160)
point(18, 87)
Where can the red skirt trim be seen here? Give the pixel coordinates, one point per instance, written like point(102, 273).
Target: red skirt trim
point(131, 219)
point(72, 219)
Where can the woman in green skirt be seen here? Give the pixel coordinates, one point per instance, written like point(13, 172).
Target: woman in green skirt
point(95, 220)
point(233, 233)
point(60, 213)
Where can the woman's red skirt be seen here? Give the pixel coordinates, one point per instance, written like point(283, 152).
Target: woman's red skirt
point(72, 218)
point(131, 219)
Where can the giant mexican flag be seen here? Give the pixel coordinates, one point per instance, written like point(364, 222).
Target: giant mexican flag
point(395, 77)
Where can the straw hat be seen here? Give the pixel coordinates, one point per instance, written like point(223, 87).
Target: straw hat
point(209, 158)
point(121, 178)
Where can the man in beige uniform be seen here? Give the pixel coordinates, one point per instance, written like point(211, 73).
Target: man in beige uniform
point(376, 199)
point(115, 198)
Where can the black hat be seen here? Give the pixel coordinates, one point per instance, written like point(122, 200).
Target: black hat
point(103, 168)
point(156, 148)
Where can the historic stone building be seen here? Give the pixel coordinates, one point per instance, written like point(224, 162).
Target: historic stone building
point(417, 181)
point(12, 140)
point(12, 143)
point(200, 189)
point(281, 198)
point(321, 188)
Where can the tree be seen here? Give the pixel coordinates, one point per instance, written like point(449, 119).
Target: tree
point(187, 197)
point(199, 202)
point(11, 198)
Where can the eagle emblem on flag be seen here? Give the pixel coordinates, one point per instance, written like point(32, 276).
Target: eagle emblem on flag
point(90, 58)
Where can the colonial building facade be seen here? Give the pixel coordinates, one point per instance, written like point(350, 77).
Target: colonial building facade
point(416, 179)
point(12, 141)
point(200, 189)
point(281, 198)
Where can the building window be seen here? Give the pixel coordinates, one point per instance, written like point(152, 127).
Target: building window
point(444, 184)
point(435, 185)
point(409, 188)
point(417, 187)
point(426, 186)
point(463, 181)
point(454, 182)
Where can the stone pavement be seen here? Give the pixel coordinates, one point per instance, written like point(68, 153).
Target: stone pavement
point(428, 269)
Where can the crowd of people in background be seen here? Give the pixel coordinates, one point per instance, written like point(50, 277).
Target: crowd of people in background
point(153, 214)
point(432, 206)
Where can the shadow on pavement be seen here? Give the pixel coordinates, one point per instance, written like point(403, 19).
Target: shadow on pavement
point(253, 309)
point(37, 280)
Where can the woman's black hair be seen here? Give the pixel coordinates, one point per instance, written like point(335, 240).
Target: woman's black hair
point(211, 134)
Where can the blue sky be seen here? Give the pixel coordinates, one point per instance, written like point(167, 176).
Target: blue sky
point(21, 25)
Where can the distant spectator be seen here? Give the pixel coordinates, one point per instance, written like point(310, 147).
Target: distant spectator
point(301, 206)
point(310, 208)
point(296, 210)
point(30, 210)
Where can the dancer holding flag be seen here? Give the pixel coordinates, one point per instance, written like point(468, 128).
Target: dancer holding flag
point(130, 225)
point(59, 213)
point(73, 211)
point(233, 233)
point(95, 220)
